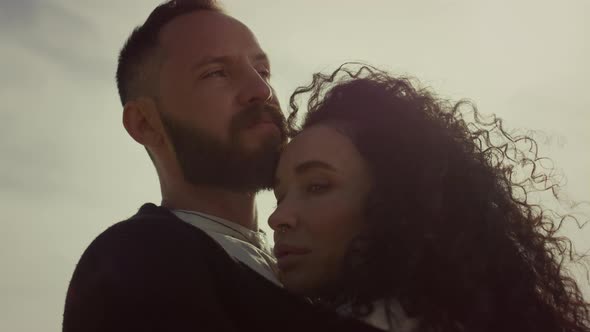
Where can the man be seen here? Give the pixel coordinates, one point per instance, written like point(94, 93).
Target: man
point(194, 84)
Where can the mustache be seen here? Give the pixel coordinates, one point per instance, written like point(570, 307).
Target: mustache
point(257, 113)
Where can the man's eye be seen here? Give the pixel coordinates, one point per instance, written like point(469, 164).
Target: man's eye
point(215, 73)
point(264, 73)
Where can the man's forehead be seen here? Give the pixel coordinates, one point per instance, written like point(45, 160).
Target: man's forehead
point(209, 31)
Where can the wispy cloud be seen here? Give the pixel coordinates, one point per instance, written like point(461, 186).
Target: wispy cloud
point(51, 56)
point(55, 34)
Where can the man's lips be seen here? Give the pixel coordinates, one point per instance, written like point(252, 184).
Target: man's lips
point(264, 119)
point(283, 250)
point(265, 125)
point(263, 122)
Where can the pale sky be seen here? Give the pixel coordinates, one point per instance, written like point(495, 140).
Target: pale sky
point(69, 170)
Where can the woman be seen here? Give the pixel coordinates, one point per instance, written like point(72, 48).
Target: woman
point(393, 208)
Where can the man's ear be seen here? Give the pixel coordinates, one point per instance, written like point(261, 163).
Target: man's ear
point(142, 122)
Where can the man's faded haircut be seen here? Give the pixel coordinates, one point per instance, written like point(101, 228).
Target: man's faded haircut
point(138, 60)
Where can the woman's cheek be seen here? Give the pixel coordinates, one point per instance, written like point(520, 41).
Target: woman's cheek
point(323, 214)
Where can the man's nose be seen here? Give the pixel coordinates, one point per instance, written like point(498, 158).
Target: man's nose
point(255, 89)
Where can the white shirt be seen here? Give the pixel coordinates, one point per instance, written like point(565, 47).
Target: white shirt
point(241, 243)
point(392, 319)
point(396, 321)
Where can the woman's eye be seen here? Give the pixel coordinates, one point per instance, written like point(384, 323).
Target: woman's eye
point(317, 188)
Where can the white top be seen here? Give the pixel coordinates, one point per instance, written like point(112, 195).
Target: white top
point(393, 320)
point(241, 243)
point(398, 320)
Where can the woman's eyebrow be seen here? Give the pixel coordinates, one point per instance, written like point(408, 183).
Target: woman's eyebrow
point(306, 166)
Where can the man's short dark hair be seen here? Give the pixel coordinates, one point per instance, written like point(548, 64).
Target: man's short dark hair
point(142, 46)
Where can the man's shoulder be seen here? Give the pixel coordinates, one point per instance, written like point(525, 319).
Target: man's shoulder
point(149, 223)
point(152, 233)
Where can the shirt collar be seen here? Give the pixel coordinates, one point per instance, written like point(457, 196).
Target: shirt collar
point(218, 225)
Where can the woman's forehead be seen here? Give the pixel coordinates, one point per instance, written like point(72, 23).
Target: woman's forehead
point(321, 143)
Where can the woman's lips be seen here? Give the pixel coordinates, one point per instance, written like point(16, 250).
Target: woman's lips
point(282, 250)
point(288, 255)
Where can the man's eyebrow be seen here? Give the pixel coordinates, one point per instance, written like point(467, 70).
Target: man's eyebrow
point(306, 166)
point(210, 60)
point(260, 57)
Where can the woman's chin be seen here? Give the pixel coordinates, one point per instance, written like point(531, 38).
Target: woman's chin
point(301, 283)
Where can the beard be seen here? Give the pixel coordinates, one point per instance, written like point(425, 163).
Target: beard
point(208, 161)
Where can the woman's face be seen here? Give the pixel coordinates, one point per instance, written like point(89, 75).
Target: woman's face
point(321, 184)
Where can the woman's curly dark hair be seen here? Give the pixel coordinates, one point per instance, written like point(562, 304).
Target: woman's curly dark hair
point(451, 233)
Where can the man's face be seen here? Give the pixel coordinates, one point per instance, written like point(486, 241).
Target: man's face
point(222, 118)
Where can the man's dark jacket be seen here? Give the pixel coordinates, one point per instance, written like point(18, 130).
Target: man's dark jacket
point(155, 272)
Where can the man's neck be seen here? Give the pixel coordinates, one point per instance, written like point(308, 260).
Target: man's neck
point(236, 207)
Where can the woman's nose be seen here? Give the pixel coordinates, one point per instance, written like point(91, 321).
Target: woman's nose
point(282, 218)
